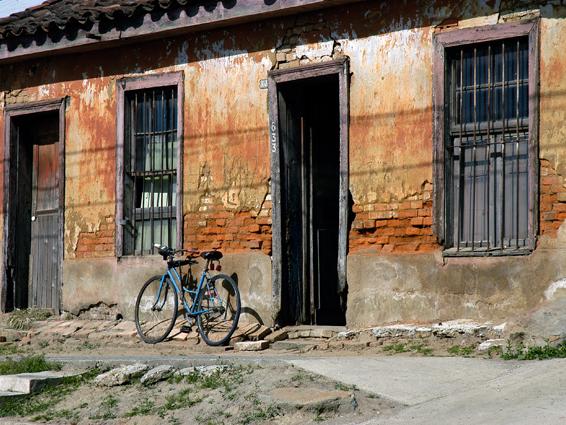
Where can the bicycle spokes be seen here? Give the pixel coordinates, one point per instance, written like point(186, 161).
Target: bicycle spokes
point(220, 310)
point(156, 309)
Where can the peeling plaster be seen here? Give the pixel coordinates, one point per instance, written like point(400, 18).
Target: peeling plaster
point(554, 286)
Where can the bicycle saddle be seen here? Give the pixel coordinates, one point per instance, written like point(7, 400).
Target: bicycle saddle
point(211, 255)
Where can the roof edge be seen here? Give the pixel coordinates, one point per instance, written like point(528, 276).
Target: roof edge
point(165, 26)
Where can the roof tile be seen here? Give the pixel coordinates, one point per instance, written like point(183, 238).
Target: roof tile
point(61, 13)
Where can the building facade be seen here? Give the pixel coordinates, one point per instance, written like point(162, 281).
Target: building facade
point(358, 162)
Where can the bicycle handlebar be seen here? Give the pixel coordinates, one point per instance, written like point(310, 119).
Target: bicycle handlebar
point(168, 253)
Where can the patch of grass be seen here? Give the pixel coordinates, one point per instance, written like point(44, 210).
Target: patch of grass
point(301, 376)
point(174, 421)
point(459, 350)
point(343, 387)
point(396, 348)
point(27, 365)
point(43, 344)
point(142, 409)
point(106, 409)
point(180, 400)
point(259, 411)
point(50, 415)
point(9, 348)
point(47, 399)
point(23, 319)
point(420, 348)
point(494, 351)
point(520, 352)
point(87, 346)
point(213, 380)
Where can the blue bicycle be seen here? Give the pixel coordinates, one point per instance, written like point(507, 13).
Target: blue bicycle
point(214, 302)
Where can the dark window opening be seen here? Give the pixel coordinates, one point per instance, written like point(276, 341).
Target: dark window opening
point(150, 165)
point(486, 152)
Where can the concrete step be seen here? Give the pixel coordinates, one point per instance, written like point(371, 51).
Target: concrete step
point(303, 331)
point(10, 394)
point(297, 344)
point(309, 327)
point(26, 383)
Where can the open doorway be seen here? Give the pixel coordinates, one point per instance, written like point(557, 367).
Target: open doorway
point(33, 222)
point(310, 193)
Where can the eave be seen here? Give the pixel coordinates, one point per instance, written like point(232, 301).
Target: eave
point(243, 12)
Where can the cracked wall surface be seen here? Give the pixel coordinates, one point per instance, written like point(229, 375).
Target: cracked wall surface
point(227, 178)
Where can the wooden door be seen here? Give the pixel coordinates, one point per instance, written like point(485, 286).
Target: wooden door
point(45, 256)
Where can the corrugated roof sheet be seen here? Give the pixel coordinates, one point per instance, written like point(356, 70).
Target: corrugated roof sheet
point(53, 14)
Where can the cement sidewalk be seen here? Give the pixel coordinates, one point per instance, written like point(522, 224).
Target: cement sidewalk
point(455, 391)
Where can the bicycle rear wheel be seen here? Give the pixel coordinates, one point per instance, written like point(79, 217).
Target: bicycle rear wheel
point(220, 301)
point(156, 310)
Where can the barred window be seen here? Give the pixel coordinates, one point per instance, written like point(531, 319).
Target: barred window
point(150, 170)
point(486, 148)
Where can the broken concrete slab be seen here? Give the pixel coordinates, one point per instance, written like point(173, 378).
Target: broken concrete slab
point(260, 333)
point(486, 345)
point(121, 375)
point(252, 345)
point(26, 383)
point(278, 335)
point(406, 331)
point(322, 333)
point(296, 345)
point(245, 329)
point(453, 328)
point(204, 370)
point(157, 374)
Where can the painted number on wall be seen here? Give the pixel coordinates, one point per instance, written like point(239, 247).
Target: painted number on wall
point(273, 137)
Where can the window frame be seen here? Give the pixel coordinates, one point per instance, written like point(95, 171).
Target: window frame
point(123, 86)
point(441, 124)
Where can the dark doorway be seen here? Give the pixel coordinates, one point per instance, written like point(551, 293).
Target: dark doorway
point(309, 127)
point(33, 263)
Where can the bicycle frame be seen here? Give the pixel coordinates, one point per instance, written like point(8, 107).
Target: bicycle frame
point(176, 281)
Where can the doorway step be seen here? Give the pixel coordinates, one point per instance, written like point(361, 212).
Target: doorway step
point(306, 337)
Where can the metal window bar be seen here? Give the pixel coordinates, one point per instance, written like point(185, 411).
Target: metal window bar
point(487, 183)
point(152, 132)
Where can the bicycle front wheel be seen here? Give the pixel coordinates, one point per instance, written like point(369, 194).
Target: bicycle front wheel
point(219, 301)
point(156, 309)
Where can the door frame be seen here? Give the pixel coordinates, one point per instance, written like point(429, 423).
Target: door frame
point(9, 231)
point(339, 67)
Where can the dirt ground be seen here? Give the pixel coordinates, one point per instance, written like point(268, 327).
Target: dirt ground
point(239, 394)
point(249, 391)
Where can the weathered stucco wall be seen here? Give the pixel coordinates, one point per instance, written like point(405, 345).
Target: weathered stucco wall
point(395, 268)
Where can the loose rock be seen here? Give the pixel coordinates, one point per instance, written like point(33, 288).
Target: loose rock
point(157, 374)
point(486, 345)
point(279, 335)
point(121, 375)
point(252, 345)
point(205, 370)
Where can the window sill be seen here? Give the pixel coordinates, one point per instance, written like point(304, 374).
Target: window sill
point(493, 252)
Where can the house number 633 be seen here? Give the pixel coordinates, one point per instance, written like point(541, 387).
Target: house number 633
point(273, 137)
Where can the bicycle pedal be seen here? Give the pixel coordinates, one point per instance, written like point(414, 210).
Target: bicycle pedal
point(186, 329)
